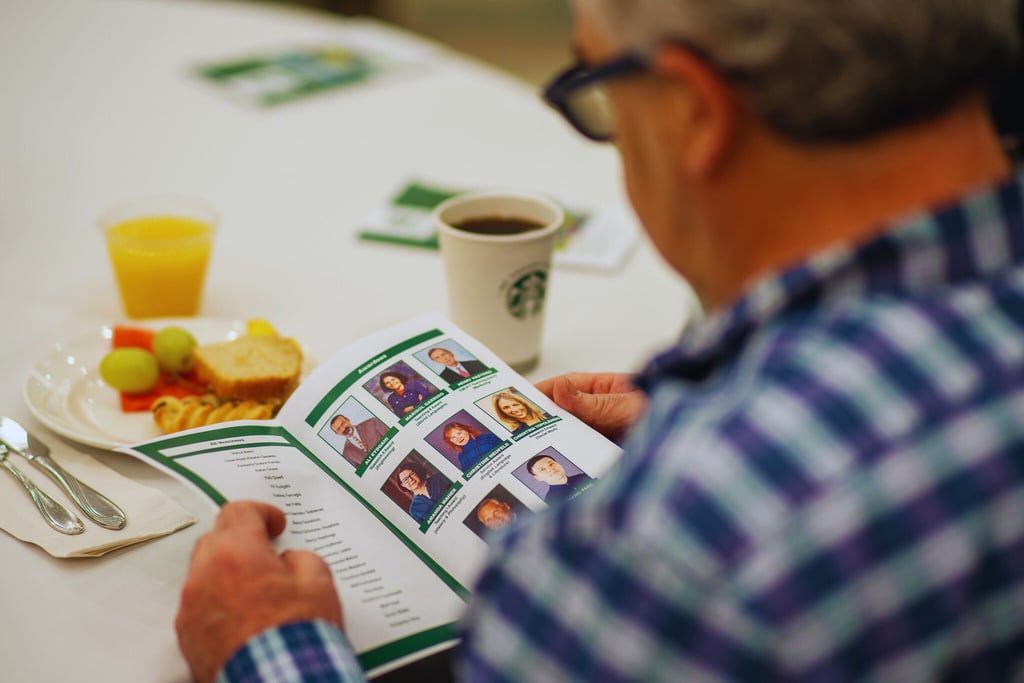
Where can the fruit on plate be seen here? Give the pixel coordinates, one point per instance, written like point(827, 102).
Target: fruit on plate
point(141, 340)
point(260, 365)
point(139, 337)
point(258, 327)
point(130, 370)
point(173, 347)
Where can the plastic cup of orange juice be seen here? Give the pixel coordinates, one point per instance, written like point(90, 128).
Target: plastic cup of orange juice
point(159, 248)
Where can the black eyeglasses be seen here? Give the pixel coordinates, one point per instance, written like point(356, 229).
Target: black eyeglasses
point(579, 94)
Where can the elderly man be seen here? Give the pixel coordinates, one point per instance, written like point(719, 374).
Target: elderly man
point(823, 480)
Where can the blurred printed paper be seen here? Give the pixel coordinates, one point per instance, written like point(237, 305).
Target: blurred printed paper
point(284, 75)
point(599, 237)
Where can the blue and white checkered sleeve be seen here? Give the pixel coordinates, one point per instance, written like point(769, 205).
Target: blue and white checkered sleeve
point(308, 651)
point(553, 608)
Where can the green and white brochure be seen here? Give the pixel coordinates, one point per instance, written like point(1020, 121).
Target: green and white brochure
point(396, 460)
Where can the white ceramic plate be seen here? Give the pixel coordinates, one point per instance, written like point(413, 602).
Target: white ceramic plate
point(64, 390)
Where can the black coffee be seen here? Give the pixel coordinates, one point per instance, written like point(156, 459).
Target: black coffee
point(498, 225)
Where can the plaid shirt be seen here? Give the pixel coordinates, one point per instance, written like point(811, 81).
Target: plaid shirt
point(828, 485)
point(311, 652)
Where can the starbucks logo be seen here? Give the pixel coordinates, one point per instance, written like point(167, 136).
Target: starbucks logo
point(525, 295)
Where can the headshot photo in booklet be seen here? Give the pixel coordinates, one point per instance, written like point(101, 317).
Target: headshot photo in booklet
point(353, 431)
point(498, 510)
point(463, 440)
point(552, 476)
point(513, 410)
point(400, 388)
point(450, 361)
point(416, 486)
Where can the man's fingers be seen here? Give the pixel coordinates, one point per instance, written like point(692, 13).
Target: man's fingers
point(200, 550)
point(252, 522)
point(311, 571)
point(590, 383)
point(547, 387)
point(243, 529)
point(610, 414)
point(250, 517)
point(306, 564)
point(567, 395)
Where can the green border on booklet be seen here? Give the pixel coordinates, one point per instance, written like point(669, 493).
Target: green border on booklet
point(374, 454)
point(353, 377)
point(472, 379)
point(422, 406)
point(153, 450)
point(402, 647)
point(471, 472)
point(536, 428)
point(440, 506)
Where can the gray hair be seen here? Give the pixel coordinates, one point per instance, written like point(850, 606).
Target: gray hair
point(831, 69)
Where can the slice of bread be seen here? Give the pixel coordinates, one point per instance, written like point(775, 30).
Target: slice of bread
point(254, 368)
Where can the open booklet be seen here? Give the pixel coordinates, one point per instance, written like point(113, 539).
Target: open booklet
point(394, 460)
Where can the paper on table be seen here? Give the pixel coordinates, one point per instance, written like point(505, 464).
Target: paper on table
point(150, 513)
point(598, 238)
point(277, 75)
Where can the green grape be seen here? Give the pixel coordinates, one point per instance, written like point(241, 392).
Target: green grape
point(131, 370)
point(173, 348)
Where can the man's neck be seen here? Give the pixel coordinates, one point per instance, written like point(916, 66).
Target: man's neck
point(794, 200)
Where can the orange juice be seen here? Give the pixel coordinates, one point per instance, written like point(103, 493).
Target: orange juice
point(160, 263)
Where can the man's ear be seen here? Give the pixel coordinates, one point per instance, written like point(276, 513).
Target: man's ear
point(703, 107)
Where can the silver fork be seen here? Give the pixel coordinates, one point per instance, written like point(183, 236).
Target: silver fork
point(94, 504)
point(55, 514)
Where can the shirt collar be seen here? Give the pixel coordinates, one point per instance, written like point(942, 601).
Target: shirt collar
point(980, 235)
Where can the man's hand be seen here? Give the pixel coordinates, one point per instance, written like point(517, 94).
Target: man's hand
point(238, 586)
point(608, 402)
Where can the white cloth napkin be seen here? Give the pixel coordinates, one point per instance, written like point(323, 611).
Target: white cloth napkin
point(150, 512)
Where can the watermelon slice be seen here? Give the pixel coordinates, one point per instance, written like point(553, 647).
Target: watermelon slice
point(166, 385)
point(139, 337)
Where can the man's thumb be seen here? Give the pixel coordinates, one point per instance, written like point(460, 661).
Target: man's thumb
point(565, 394)
point(609, 414)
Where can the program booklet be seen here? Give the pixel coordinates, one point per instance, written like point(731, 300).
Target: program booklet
point(395, 460)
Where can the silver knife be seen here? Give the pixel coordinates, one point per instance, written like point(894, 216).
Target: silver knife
point(94, 504)
point(55, 514)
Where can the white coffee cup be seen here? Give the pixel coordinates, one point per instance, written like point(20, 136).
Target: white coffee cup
point(497, 283)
